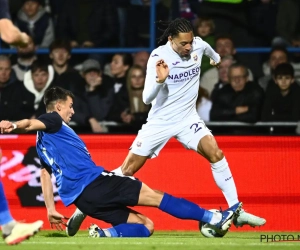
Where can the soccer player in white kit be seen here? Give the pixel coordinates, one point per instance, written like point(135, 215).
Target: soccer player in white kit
point(171, 86)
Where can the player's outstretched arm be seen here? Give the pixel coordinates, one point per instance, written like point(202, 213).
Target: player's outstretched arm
point(54, 217)
point(11, 34)
point(22, 126)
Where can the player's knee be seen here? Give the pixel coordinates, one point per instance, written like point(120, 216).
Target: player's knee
point(127, 171)
point(128, 167)
point(216, 155)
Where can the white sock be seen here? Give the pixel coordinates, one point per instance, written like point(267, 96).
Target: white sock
point(224, 180)
point(7, 228)
point(106, 232)
point(216, 218)
point(118, 171)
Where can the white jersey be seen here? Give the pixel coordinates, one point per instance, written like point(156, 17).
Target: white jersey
point(175, 99)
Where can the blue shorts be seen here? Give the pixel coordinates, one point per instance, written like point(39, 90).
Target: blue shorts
point(108, 196)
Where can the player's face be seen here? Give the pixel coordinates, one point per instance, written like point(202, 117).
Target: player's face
point(137, 79)
point(60, 56)
point(182, 43)
point(284, 81)
point(237, 78)
point(66, 110)
point(40, 79)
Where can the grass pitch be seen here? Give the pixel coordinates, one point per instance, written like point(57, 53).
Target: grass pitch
point(51, 240)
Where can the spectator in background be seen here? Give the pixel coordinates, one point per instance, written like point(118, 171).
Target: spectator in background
point(277, 56)
point(60, 53)
point(141, 59)
point(89, 23)
point(119, 66)
point(26, 56)
point(6, 81)
point(35, 21)
point(65, 76)
point(7, 75)
point(287, 22)
point(262, 21)
point(204, 27)
point(138, 16)
point(24, 100)
point(224, 47)
point(135, 115)
point(225, 64)
point(203, 104)
point(73, 81)
point(37, 81)
point(282, 101)
point(240, 100)
point(295, 57)
point(99, 90)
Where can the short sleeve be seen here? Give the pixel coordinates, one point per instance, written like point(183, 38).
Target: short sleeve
point(45, 166)
point(4, 11)
point(52, 121)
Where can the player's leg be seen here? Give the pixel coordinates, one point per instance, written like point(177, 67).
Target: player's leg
point(196, 136)
point(184, 209)
point(131, 164)
point(150, 140)
point(208, 147)
point(137, 225)
point(14, 232)
point(7, 222)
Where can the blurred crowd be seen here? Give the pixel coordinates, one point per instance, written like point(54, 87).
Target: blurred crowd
point(108, 88)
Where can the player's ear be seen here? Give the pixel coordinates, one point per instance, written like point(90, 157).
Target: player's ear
point(170, 39)
point(58, 106)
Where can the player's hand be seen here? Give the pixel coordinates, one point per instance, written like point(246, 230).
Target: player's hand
point(162, 71)
point(213, 63)
point(56, 219)
point(6, 127)
point(12, 35)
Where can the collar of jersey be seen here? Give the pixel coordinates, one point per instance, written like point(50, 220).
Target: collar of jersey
point(171, 49)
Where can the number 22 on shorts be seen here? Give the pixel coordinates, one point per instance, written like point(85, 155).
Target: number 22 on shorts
point(196, 127)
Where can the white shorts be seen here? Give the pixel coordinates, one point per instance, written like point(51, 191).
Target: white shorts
point(156, 133)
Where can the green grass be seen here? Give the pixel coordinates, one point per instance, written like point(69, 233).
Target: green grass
point(50, 240)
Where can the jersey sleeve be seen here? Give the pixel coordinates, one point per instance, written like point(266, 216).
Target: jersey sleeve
point(151, 88)
point(45, 166)
point(209, 52)
point(52, 121)
point(4, 11)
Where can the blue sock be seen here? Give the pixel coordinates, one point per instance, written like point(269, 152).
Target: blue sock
point(184, 209)
point(128, 230)
point(5, 216)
